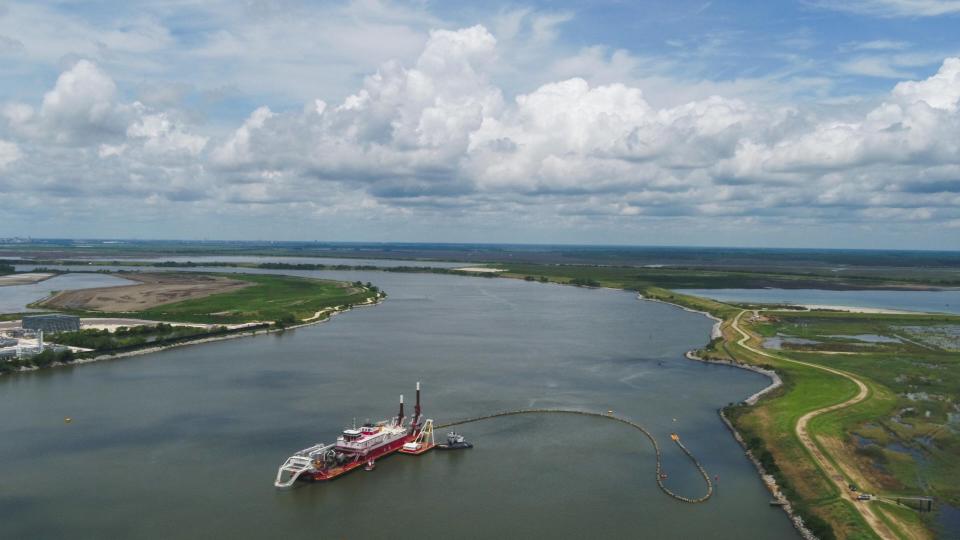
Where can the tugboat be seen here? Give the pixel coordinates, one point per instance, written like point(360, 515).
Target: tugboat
point(455, 441)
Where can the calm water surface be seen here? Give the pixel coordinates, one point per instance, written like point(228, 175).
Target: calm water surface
point(186, 442)
point(947, 301)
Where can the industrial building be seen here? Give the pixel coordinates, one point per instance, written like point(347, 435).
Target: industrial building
point(55, 322)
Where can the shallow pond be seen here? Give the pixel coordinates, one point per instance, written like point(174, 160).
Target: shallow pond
point(869, 338)
point(777, 342)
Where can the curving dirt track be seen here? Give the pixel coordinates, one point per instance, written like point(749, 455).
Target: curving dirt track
point(806, 438)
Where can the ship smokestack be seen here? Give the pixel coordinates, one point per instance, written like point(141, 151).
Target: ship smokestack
point(400, 416)
point(416, 411)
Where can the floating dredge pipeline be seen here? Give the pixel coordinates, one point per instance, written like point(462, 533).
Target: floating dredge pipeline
point(363, 445)
point(609, 416)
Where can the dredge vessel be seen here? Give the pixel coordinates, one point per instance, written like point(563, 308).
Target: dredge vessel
point(359, 447)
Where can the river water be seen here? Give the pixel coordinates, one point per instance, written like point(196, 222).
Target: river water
point(186, 442)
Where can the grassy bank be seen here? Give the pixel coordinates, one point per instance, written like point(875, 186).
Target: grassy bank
point(904, 440)
point(272, 298)
point(900, 441)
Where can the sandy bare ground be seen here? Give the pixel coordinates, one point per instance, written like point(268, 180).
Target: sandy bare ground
point(153, 290)
point(24, 279)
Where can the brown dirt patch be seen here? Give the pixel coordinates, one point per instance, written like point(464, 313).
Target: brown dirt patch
point(153, 290)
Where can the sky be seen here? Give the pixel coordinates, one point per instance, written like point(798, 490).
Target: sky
point(812, 123)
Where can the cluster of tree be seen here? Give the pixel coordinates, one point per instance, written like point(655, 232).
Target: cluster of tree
point(285, 320)
point(132, 336)
point(6, 269)
point(368, 285)
point(41, 360)
point(584, 282)
point(541, 279)
point(104, 341)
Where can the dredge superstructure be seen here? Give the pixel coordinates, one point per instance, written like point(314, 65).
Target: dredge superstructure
point(357, 447)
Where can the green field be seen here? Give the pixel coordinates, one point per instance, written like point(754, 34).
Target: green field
point(908, 440)
point(901, 441)
point(271, 298)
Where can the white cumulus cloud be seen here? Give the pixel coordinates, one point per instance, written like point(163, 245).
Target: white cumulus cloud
point(9, 152)
point(438, 136)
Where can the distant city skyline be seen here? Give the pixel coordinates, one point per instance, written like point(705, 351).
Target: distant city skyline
point(707, 123)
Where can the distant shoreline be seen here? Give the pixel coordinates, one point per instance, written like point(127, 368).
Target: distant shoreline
point(317, 318)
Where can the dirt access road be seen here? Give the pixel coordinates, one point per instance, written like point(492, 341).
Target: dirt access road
point(803, 433)
point(154, 289)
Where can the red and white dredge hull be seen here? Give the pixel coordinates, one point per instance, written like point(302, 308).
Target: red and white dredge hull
point(357, 447)
point(383, 451)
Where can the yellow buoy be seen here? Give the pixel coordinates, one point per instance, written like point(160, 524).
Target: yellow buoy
point(67, 420)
